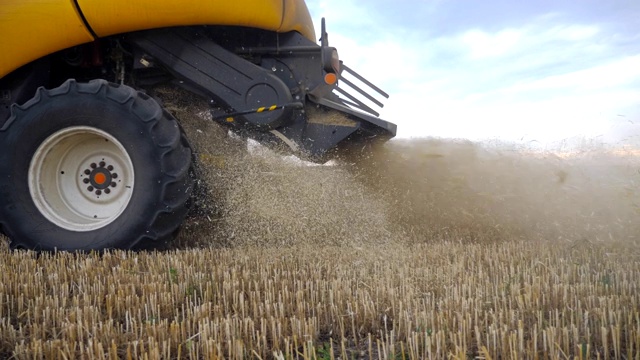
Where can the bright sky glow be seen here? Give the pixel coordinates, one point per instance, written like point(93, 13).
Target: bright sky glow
point(541, 72)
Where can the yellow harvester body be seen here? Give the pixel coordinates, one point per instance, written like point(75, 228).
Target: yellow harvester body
point(31, 29)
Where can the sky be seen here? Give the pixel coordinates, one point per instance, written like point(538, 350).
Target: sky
point(542, 72)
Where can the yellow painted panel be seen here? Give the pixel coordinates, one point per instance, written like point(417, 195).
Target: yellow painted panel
point(297, 18)
point(30, 29)
point(121, 16)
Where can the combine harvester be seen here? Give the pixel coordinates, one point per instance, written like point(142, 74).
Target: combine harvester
point(89, 160)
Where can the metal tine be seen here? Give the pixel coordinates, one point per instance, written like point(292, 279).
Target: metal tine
point(359, 77)
point(347, 102)
point(360, 104)
point(362, 92)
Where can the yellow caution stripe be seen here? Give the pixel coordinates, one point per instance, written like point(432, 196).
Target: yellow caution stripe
point(270, 108)
point(230, 117)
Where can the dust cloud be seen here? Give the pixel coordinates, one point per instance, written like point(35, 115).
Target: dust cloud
point(495, 192)
point(249, 195)
point(416, 190)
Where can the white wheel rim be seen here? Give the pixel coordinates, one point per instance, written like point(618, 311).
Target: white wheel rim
point(81, 178)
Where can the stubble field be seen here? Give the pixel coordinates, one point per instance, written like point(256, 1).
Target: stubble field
point(421, 249)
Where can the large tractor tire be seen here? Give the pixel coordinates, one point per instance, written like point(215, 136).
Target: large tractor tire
point(91, 166)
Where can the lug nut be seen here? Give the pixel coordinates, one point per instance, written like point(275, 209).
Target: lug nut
point(90, 188)
point(85, 180)
point(87, 172)
point(102, 164)
point(110, 168)
point(107, 191)
point(98, 192)
point(93, 165)
point(113, 184)
point(114, 175)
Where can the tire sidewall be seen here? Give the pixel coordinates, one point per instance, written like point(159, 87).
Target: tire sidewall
point(29, 228)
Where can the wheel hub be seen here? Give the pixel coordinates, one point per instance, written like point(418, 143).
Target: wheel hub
point(101, 178)
point(81, 178)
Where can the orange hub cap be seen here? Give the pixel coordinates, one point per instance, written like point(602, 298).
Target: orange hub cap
point(100, 178)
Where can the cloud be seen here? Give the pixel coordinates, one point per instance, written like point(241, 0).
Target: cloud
point(482, 45)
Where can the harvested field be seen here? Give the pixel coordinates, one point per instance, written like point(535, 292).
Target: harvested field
point(422, 249)
point(441, 299)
